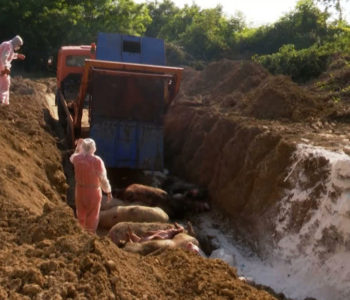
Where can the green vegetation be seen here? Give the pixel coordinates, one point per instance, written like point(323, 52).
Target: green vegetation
point(46, 25)
point(299, 44)
point(310, 62)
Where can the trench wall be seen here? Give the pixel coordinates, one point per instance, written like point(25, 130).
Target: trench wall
point(243, 164)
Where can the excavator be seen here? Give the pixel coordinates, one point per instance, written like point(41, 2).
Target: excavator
point(117, 92)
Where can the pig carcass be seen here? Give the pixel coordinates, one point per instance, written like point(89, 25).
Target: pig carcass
point(131, 213)
point(160, 234)
point(119, 232)
point(145, 194)
point(175, 205)
point(181, 240)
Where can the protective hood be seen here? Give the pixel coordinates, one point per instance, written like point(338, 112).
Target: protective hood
point(17, 42)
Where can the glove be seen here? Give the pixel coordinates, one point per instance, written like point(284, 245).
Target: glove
point(78, 145)
point(21, 56)
point(6, 71)
point(109, 197)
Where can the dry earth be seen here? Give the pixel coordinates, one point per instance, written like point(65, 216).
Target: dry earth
point(234, 129)
point(44, 254)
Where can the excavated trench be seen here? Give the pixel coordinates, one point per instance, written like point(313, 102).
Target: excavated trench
point(210, 132)
point(277, 173)
point(43, 251)
point(276, 167)
point(269, 157)
point(281, 195)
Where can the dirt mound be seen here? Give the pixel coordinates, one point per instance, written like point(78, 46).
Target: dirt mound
point(32, 169)
point(247, 89)
point(223, 77)
point(222, 83)
point(46, 255)
point(279, 98)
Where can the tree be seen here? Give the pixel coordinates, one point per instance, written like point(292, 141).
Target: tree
point(303, 27)
point(46, 25)
point(161, 14)
point(205, 34)
point(336, 4)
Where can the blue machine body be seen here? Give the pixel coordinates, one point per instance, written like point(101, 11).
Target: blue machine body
point(126, 114)
point(132, 49)
point(128, 144)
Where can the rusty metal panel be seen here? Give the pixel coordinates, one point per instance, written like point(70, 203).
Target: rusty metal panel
point(93, 63)
point(127, 98)
point(126, 116)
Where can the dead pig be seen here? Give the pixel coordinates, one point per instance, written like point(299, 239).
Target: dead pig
point(182, 204)
point(132, 213)
point(119, 232)
point(181, 240)
point(193, 198)
point(160, 234)
point(147, 195)
point(176, 205)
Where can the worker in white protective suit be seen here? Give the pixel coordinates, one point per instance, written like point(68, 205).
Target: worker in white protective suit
point(7, 54)
point(90, 178)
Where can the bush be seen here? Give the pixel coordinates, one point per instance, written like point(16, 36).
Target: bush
point(175, 55)
point(301, 65)
point(305, 64)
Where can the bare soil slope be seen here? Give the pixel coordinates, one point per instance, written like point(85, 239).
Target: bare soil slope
point(43, 252)
point(234, 128)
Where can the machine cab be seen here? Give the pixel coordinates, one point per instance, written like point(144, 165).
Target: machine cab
point(70, 66)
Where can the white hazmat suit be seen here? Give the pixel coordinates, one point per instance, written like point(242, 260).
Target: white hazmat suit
point(7, 54)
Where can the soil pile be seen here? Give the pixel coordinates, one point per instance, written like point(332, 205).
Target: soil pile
point(46, 255)
point(223, 78)
point(247, 89)
point(279, 98)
